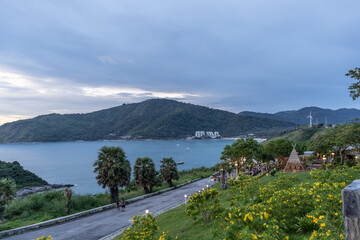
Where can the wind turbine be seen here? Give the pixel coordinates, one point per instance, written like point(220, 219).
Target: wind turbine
point(310, 117)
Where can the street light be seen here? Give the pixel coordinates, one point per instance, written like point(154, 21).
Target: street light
point(185, 198)
point(146, 211)
point(207, 186)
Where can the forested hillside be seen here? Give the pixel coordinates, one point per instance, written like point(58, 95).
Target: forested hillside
point(21, 176)
point(155, 119)
point(320, 115)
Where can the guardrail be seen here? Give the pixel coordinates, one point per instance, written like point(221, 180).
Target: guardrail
point(85, 213)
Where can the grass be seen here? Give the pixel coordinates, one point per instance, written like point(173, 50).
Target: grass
point(49, 205)
point(177, 223)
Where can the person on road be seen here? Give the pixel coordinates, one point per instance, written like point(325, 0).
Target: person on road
point(122, 203)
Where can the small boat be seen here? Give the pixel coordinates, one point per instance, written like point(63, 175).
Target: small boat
point(180, 162)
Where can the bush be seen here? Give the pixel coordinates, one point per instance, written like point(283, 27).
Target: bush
point(204, 206)
point(286, 205)
point(142, 227)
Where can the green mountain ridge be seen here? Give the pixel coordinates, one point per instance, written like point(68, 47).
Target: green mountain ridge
point(320, 115)
point(21, 176)
point(150, 119)
point(301, 134)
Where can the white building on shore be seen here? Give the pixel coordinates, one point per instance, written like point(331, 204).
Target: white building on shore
point(208, 134)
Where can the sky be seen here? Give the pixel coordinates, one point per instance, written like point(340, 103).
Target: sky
point(79, 56)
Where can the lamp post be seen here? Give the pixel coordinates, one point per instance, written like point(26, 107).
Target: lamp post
point(185, 198)
point(236, 168)
point(333, 156)
point(146, 211)
point(207, 186)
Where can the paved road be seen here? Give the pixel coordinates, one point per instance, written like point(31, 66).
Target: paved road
point(101, 224)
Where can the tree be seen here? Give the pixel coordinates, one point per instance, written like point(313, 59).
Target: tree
point(7, 193)
point(113, 170)
point(242, 150)
point(281, 147)
point(338, 139)
point(224, 168)
point(145, 174)
point(168, 170)
point(355, 87)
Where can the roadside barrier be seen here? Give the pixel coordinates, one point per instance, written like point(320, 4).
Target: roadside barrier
point(85, 213)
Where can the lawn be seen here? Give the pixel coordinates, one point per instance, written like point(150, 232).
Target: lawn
point(295, 206)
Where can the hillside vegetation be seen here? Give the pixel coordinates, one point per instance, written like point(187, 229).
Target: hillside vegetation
point(302, 134)
point(320, 115)
point(294, 206)
point(21, 176)
point(151, 119)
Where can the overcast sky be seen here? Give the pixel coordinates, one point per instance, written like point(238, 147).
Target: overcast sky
point(69, 56)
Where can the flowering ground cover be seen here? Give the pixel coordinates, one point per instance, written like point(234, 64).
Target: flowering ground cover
point(287, 206)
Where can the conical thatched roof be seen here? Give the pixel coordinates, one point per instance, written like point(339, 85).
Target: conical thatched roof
point(294, 164)
point(294, 157)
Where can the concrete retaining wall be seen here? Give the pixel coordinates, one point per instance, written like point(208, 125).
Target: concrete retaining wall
point(84, 213)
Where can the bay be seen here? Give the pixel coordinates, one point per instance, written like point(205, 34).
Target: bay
point(72, 162)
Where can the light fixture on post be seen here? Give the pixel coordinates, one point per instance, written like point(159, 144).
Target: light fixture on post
point(146, 211)
point(185, 198)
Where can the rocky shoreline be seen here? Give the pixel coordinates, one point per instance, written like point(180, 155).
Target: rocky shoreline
point(25, 191)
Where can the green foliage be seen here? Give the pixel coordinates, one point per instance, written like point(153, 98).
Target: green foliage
point(242, 149)
point(7, 193)
point(155, 119)
point(143, 227)
point(204, 206)
point(113, 170)
point(305, 225)
point(145, 174)
point(338, 139)
point(168, 170)
point(273, 172)
point(302, 134)
point(48, 205)
point(279, 147)
point(45, 238)
point(355, 87)
point(22, 177)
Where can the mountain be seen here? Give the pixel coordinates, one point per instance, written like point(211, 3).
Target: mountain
point(301, 134)
point(21, 176)
point(151, 119)
point(320, 115)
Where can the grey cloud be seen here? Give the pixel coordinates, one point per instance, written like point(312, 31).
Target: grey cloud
point(247, 55)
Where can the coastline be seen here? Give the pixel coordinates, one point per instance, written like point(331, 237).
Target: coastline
point(25, 191)
point(134, 140)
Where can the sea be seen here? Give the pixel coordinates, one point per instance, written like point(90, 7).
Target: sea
point(72, 162)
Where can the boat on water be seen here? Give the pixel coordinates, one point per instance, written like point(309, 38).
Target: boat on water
point(180, 162)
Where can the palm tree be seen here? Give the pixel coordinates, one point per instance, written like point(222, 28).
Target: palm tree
point(168, 170)
point(113, 170)
point(145, 174)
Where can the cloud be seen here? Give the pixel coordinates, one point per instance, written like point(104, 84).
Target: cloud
point(106, 59)
point(25, 96)
point(113, 91)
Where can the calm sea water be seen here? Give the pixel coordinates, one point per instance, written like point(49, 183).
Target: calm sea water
point(72, 162)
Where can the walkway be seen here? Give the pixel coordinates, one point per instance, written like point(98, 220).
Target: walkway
point(101, 224)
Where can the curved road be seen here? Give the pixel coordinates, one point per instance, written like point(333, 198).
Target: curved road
point(96, 226)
